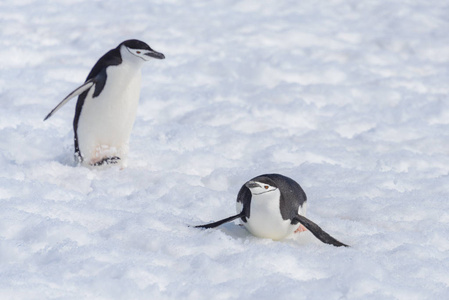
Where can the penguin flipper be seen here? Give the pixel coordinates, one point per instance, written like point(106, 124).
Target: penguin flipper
point(317, 231)
point(81, 89)
point(218, 223)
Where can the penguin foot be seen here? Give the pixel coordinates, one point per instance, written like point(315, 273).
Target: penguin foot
point(107, 160)
point(301, 228)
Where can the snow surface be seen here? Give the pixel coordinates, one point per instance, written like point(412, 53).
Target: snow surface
point(349, 98)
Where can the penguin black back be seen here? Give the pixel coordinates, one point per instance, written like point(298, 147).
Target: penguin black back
point(292, 195)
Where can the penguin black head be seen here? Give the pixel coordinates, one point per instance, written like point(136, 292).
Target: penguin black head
point(261, 185)
point(141, 49)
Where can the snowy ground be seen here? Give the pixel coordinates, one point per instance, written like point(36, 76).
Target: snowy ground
point(349, 98)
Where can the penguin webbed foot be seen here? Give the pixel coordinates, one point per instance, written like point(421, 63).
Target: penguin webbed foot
point(218, 223)
point(301, 228)
point(107, 160)
point(317, 231)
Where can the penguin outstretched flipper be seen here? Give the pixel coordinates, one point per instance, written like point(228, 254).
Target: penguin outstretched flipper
point(218, 223)
point(317, 231)
point(78, 91)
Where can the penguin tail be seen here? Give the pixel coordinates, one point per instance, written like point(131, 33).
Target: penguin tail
point(317, 231)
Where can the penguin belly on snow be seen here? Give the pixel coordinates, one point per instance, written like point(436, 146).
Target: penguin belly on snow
point(273, 206)
point(107, 105)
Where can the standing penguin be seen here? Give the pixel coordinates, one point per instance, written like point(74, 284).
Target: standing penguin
point(107, 104)
point(273, 206)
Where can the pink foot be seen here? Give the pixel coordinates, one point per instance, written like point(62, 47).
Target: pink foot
point(301, 228)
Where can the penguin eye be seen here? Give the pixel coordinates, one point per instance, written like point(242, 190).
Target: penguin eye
point(266, 187)
point(138, 52)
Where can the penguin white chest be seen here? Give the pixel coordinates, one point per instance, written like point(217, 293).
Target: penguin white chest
point(265, 217)
point(106, 121)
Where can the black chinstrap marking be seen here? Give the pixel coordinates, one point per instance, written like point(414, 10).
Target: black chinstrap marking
point(107, 160)
point(317, 231)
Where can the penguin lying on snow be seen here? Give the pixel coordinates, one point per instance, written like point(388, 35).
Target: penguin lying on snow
point(273, 206)
point(107, 104)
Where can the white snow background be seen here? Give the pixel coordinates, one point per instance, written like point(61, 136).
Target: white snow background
point(349, 98)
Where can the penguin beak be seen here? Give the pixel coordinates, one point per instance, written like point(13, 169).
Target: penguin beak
point(155, 54)
point(251, 184)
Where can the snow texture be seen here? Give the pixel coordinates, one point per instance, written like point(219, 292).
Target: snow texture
point(347, 97)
